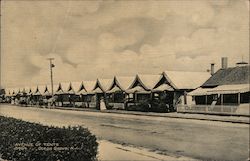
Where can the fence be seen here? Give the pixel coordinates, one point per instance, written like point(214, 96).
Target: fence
point(215, 109)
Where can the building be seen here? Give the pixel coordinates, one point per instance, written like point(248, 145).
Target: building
point(172, 87)
point(63, 96)
point(99, 91)
point(116, 95)
point(87, 96)
point(74, 88)
point(226, 91)
point(139, 92)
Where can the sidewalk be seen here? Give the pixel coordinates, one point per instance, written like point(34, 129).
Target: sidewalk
point(112, 151)
point(232, 119)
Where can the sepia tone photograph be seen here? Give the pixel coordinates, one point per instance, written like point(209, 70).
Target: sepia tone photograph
point(124, 80)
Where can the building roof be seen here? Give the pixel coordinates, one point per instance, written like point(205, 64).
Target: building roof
point(186, 80)
point(232, 75)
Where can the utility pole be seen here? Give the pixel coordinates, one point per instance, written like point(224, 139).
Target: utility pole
point(51, 74)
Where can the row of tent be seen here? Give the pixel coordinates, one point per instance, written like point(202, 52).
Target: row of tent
point(141, 83)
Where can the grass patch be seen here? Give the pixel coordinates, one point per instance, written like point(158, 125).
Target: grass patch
point(24, 141)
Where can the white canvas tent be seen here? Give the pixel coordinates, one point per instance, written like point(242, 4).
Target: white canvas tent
point(120, 84)
point(186, 80)
point(87, 88)
point(62, 88)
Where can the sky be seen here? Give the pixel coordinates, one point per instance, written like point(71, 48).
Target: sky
point(100, 39)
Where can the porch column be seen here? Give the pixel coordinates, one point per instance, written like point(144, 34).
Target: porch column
point(222, 102)
point(239, 98)
point(151, 95)
point(221, 99)
point(175, 100)
point(206, 103)
point(135, 97)
point(185, 97)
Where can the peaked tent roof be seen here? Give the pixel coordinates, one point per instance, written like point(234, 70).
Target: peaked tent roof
point(146, 81)
point(105, 83)
point(74, 87)
point(36, 92)
point(101, 85)
point(33, 89)
point(120, 84)
point(124, 82)
point(97, 88)
point(62, 88)
point(186, 80)
point(47, 90)
point(88, 86)
point(149, 80)
point(232, 75)
point(39, 90)
point(16, 91)
point(8, 91)
point(27, 89)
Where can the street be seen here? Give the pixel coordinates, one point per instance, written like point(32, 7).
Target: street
point(205, 140)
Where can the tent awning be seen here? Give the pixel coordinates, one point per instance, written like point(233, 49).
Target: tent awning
point(223, 89)
point(83, 92)
point(60, 92)
point(199, 92)
point(37, 94)
point(113, 90)
point(97, 90)
point(46, 93)
point(230, 89)
point(138, 89)
point(163, 87)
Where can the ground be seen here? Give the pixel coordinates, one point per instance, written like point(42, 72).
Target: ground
point(199, 139)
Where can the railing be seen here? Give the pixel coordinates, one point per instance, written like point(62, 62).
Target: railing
point(220, 109)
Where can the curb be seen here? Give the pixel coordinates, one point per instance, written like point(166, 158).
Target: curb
point(145, 114)
point(152, 115)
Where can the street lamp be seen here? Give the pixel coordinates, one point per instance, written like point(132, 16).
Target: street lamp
point(51, 74)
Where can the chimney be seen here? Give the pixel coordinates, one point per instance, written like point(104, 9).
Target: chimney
point(212, 69)
point(223, 62)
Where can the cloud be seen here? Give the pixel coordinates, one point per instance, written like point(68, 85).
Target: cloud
point(91, 39)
